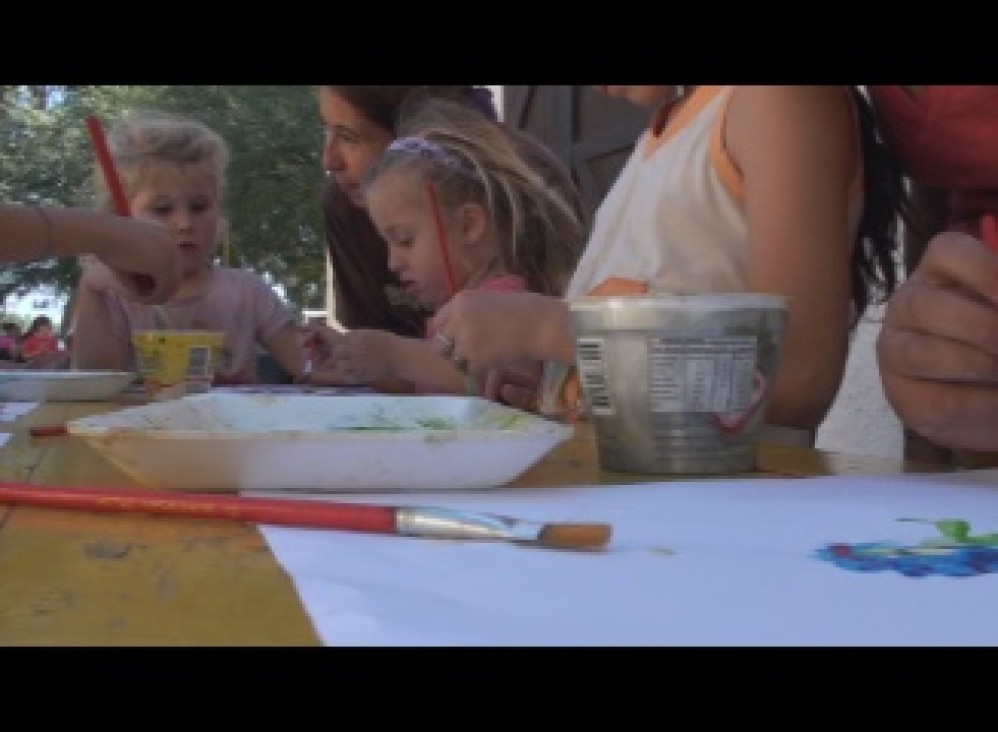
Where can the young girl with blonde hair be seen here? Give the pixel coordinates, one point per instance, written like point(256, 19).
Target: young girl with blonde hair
point(358, 124)
point(460, 209)
point(172, 169)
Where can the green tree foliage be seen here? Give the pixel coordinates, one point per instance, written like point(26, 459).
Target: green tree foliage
point(272, 196)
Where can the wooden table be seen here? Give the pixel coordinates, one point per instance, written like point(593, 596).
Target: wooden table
point(82, 579)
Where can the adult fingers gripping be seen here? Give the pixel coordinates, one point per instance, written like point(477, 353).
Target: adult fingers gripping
point(946, 312)
point(959, 416)
point(954, 258)
point(913, 354)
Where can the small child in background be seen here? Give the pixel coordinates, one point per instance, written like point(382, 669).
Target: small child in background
point(40, 348)
point(460, 209)
point(172, 169)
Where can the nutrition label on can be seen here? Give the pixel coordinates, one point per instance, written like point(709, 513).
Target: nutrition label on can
point(592, 374)
point(702, 374)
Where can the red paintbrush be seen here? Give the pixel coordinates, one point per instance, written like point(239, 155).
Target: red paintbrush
point(416, 521)
point(99, 142)
point(97, 139)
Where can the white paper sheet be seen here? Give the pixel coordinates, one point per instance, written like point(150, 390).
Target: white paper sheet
point(9, 411)
point(693, 563)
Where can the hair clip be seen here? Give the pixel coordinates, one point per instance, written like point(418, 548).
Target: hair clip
point(432, 151)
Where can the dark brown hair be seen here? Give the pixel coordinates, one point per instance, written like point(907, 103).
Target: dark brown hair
point(886, 208)
point(383, 105)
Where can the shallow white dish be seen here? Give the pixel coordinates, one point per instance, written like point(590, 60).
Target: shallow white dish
point(360, 443)
point(27, 385)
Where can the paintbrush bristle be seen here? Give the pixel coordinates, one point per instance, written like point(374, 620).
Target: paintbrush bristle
point(574, 536)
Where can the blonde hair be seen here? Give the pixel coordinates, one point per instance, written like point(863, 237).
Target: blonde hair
point(142, 141)
point(540, 236)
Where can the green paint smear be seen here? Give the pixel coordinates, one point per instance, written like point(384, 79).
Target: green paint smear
point(955, 532)
point(378, 421)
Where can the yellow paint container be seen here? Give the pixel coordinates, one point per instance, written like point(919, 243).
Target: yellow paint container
point(178, 362)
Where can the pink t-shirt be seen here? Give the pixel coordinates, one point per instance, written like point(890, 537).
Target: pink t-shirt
point(238, 303)
point(38, 345)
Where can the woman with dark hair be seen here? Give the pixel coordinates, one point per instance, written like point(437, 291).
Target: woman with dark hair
point(360, 122)
point(768, 189)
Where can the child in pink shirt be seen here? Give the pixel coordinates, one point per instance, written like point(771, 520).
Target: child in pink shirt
point(172, 169)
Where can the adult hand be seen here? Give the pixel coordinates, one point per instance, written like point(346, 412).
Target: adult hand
point(142, 257)
point(938, 347)
point(492, 329)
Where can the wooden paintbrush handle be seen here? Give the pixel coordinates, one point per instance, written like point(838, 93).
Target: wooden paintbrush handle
point(283, 512)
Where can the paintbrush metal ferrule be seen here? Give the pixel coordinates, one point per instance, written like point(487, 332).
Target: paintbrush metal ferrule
point(444, 523)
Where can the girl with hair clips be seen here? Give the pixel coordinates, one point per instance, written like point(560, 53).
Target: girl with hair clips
point(172, 169)
point(359, 122)
point(460, 210)
point(769, 189)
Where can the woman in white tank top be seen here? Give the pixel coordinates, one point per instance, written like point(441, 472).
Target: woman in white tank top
point(730, 189)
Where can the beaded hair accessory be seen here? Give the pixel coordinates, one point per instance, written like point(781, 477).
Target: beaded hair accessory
point(432, 151)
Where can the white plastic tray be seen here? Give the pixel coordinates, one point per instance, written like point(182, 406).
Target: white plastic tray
point(360, 443)
point(27, 385)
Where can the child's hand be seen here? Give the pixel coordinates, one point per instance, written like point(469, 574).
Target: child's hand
point(330, 356)
point(358, 357)
point(318, 342)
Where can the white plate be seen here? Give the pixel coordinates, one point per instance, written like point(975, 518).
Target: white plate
point(27, 385)
point(362, 443)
